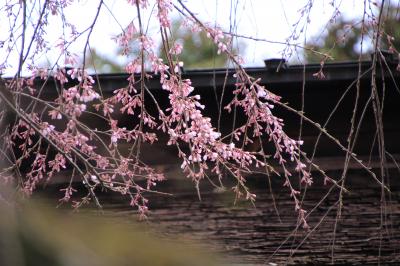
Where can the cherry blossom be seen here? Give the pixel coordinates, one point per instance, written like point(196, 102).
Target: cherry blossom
point(55, 137)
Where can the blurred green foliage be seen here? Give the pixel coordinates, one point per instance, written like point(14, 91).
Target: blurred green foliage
point(199, 51)
point(32, 235)
point(342, 39)
point(103, 64)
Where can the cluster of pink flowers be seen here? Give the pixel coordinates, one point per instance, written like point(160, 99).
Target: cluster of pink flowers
point(187, 124)
point(176, 49)
point(142, 3)
point(56, 6)
point(164, 8)
point(257, 103)
point(220, 39)
point(125, 38)
point(95, 154)
point(76, 142)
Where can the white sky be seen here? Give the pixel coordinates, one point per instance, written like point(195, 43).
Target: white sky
point(267, 19)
